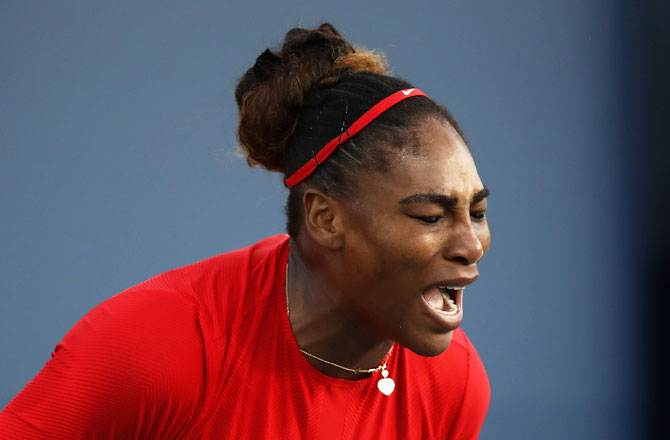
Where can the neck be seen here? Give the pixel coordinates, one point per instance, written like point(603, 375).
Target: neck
point(323, 326)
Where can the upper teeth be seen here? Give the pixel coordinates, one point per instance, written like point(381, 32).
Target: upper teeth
point(452, 287)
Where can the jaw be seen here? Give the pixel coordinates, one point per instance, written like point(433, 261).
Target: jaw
point(431, 346)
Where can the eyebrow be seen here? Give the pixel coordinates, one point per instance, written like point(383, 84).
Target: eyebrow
point(443, 199)
point(480, 195)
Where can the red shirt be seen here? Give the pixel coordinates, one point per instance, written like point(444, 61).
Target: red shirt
point(206, 352)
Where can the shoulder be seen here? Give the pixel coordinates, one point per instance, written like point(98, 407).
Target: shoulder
point(145, 360)
point(233, 268)
point(129, 359)
point(146, 337)
point(476, 369)
point(224, 286)
point(161, 332)
point(454, 384)
point(476, 393)
point(174, 306)
point(457, 368)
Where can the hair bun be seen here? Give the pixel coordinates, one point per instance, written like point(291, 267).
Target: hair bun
point(271, 94)
point(266, 64)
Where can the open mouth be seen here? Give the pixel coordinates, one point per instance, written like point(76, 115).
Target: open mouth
point(445, 300)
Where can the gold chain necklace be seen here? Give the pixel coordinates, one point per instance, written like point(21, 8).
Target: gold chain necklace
point(386, 385)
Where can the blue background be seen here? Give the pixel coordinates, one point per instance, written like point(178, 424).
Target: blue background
point(118, 162)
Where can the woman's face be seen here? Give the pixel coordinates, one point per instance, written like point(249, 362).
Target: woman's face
point(414, 236)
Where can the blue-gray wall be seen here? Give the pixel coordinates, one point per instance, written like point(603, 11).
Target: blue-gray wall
point(117, 162)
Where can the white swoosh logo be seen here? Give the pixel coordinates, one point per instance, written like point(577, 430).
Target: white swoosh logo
point(407, 91)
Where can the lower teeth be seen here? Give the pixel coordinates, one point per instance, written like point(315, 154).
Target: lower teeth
point(452, 308)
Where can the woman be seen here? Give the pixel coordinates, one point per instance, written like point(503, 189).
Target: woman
point(346, 328)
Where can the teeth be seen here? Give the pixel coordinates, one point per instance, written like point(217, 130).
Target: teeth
point(451, 287)
point(452, 307)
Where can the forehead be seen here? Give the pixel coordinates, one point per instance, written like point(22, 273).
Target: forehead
point(441, 163)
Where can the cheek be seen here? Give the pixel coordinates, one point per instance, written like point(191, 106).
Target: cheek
point(403, 254)
point(388, 249)
point(384, 256)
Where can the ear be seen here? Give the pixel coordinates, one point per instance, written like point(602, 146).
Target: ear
point(323, 218)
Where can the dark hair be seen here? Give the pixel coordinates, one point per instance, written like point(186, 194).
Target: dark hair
point(296, 100)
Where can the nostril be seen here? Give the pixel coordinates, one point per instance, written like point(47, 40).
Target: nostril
point(461, 260)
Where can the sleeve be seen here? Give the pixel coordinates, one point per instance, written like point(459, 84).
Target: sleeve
point(132, 368)
point(476, 399)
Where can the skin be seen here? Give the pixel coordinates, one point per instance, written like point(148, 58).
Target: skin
point(359, 267)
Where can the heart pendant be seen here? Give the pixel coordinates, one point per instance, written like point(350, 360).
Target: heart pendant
point(386, 385)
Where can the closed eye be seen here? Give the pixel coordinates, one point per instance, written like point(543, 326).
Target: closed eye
point(427, 220)
point(478, 216)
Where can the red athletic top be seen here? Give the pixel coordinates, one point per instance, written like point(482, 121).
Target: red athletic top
point(207, 352)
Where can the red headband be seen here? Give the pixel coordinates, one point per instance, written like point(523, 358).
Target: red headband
point(308, 168)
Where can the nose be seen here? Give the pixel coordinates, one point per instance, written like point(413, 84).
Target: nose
point(462, 245)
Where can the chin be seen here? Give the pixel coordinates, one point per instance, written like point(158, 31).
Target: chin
point(431, 346)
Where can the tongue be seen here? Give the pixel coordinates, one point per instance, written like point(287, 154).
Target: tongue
point(434, 298)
